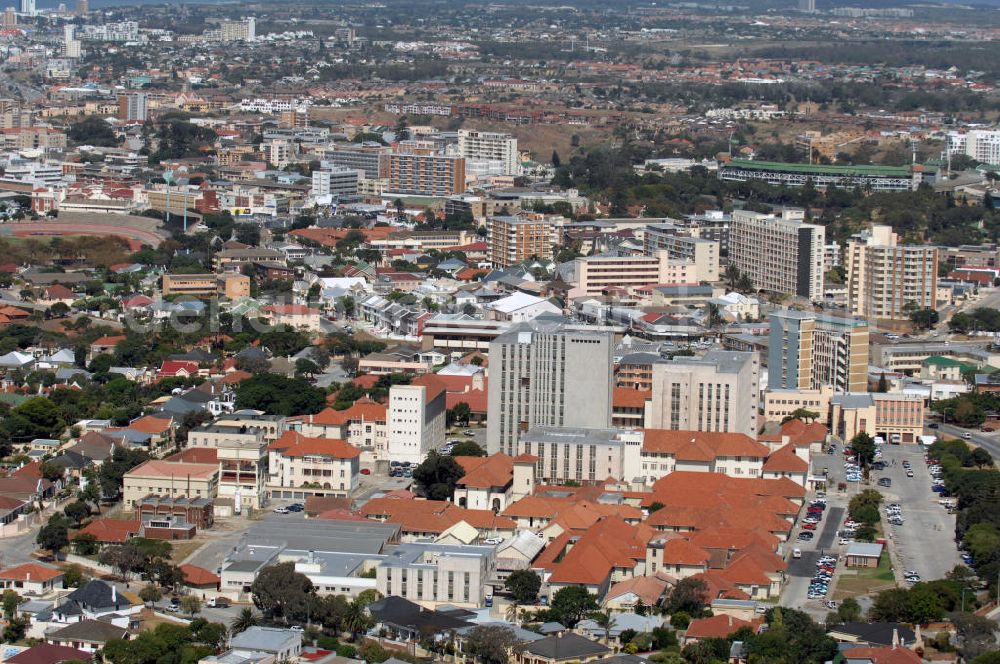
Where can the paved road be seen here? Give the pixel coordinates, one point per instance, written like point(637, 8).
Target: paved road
point(987, 441)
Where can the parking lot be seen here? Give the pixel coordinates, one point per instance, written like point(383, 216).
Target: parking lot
point(925, 542)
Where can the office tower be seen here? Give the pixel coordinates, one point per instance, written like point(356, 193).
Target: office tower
point(886, 279)
point(490, 146)
point(251, 24)
point(546, 373)
point(370, 159)
point(717, 392)
point(417, 173)
point(333, 181)
point(681, 244)
point(807, 351)
point(82, 7)
point(245, 30)
point(513, 240)
point(807, 5)
point(132, 107)
point(28, 7)
point(9, 19)
point(415, 419)
point(779, 254)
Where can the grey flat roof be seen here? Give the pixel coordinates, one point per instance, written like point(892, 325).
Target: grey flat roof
point(572, 435)
point(864, 549)
point(323, 535)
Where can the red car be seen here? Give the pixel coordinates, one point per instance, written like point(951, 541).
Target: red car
point(808, 526)
point(366, 471)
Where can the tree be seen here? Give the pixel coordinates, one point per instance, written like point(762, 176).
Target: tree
point(77, 511)
point(281, 591)
point(150, 593)
point(924, 319)
point(349, 364)
point(468, 448)
point(689, 595)
point(570, 604)
point(864, 447)
point(38, 417)
point(524, 585)
point(490, 644)
point(73, 576)
point(460, 413)
point(190, 604)
point(883, 384)
point(278, 395)
point(246, 619)
point(975, 632)
point(53, 536)
point(124, 558)
point(980, 458)
point(357, 620)
point(437, 476)
point(9, 602)
point(556, 161)
point(849, 610)
point(803, 414)
point(606, 621)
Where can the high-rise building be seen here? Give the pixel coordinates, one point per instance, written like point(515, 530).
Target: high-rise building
point(334, 181)
point(71, 45)
point(28, 7)
point(513, 240)
point(547, 373)
point(807, 5)
point(885, 279)
point(415, 419)
point(808, 351)
point(422, 174)
point(490, 147)
point(779, 254)
point(370, 159)
point(132, 107)
point(82, 7)
point(716, 392)
point(681, 244)
point(9, 19)
point(983, 145)
point(594, 274)
point(245, 30)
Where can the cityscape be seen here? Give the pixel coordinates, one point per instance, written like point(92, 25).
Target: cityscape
point(424, 332)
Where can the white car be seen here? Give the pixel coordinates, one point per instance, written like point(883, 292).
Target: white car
point(492, 541)
point(845, 541)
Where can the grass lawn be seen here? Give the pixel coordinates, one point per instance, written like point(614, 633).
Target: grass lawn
point(181, 549)
point(865, 580)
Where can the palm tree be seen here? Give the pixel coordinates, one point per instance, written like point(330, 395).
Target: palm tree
point(357, 620)
point(512, 611)
point(606, 621)
point(244, 621)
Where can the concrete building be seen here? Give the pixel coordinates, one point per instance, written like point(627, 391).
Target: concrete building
point(490, 146)
point(28, 7)
point(808, 350)
point(780, 254)
point(412, 173)
point(245, 30)
point(680, 245)
point(514, 240)
point(132, 107)
point(585, 455)
point(885, 279)
point(164, 478)
point(983, 145)
point(416, 419)
point(781, 403)
point(435, 574)
point(232, 286)
point(302, 466)
point(594, 274)
point(546, 373)
point(717, 392)
point(334, 181)
point(370, 160)
point(897, 417)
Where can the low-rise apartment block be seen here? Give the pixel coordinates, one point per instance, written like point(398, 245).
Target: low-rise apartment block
point(163, 478)
point(679, 244)
point(302, 466)
point(232, 286)
point(595, 274)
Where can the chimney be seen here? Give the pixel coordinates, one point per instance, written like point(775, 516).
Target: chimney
point(895, 638)
point(114, 595)
point(27, 577)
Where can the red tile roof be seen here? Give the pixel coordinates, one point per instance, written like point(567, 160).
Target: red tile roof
point(430, 516)
point(884, 655)
point(111, 531)
point(717, 627)
point(293, 444)
point(195, 455)
point(627, 397)
point(199, 576)
point(47, 653)
point(485, 472)
point(30, 571)
point(701, 445)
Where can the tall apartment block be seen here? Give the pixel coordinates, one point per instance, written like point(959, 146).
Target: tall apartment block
point(547, 374)
point(132, 107)
point(594, 274)
point(807, 351)
point(680, 244)
point(780, 254)
point(885, 278)
point(418, 173)
point(490, 146)
point(371, 159)
point(513, 240)
point(717, 392)
point(245, 30)
point(334, 181)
